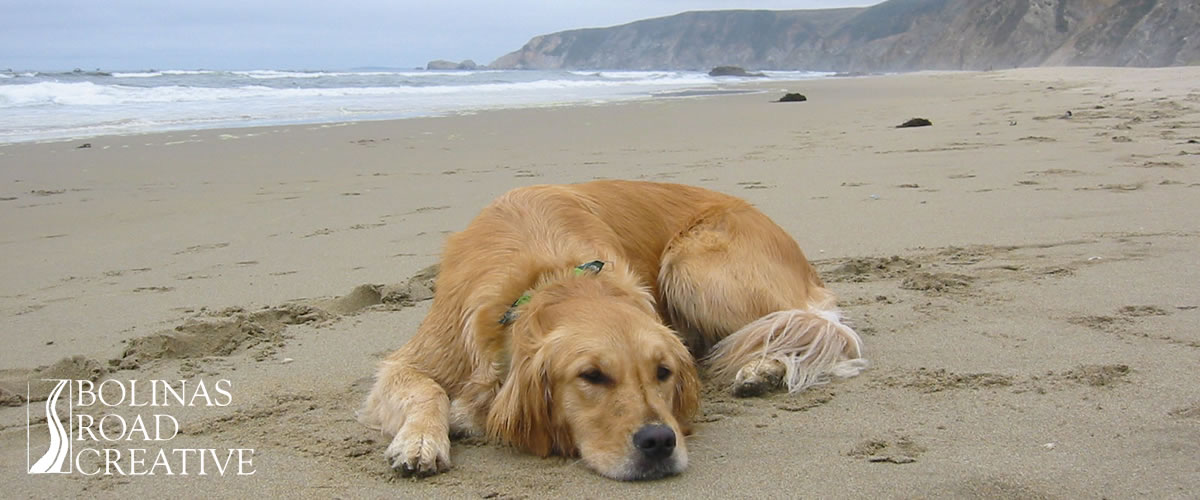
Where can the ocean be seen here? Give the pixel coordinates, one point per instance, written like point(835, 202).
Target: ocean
point(41, 106)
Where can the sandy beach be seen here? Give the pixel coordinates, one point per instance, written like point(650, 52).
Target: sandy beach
point(1023, 272)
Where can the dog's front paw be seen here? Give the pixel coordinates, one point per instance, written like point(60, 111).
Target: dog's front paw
point(759, 377)
point(419, 453)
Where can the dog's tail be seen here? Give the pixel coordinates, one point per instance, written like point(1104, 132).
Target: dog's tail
point(812, 344)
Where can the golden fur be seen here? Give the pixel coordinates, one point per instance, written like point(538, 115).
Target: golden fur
point(589, 366)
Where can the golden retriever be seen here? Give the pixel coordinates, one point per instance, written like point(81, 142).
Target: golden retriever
point(549, 327)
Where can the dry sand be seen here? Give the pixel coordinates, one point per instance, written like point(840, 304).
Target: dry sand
point(1026, 284)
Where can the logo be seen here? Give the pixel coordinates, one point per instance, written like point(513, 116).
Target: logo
point(125, 428)
point(55, 459)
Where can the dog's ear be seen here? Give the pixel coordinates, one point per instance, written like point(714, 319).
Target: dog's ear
point(520, 414)
point(687, 388)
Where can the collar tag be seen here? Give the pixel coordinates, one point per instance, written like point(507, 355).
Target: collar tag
point(593, 267)
point(511, 314)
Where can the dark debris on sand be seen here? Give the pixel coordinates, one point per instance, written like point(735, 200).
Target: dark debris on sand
point(915, 122)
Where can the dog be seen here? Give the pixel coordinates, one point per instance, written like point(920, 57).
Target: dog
point(567, 319)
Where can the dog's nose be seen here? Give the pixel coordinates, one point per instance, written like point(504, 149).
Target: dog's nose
point(655, 441)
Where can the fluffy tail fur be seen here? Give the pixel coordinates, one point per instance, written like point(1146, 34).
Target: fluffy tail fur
point(813, 345)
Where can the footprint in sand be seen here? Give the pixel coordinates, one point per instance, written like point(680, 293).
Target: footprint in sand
point(370, 142)
point(936, 282)
point(1158, 164)
point(122, 272)
point(38, 382)
point(30, 309)
point(929, 381)
point(1109, 324)
point(862, 269)
point(1192, 411)
point(366, 226)
point(1122, 324)
point(156, 289)
point(1139, 311)
point(938, 380)
point(263, 332)
point(1054, 171)
point(1094, 375)
point(230, 331)
point(1116, 188)
point(202, 248)
point(754, 185)
point(807, 400)
point(899, 450)
point(922, 272)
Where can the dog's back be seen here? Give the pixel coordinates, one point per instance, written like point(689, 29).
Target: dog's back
point(713, 263)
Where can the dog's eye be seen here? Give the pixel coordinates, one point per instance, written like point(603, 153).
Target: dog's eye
point(663, 373)
point(595, 377)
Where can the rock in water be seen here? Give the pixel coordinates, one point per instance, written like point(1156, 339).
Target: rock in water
point(793, 97)
point(442, 65)
point(731, 71)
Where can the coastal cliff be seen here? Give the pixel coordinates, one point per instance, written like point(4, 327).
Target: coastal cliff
point(897, 35)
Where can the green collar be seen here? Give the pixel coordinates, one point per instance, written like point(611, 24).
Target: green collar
point(510, 315)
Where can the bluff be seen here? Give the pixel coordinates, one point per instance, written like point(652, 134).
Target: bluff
point(897, 35)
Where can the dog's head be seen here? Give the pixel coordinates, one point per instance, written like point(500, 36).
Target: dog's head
point(594, 373)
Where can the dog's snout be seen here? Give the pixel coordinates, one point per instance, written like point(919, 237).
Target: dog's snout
point(655, 441)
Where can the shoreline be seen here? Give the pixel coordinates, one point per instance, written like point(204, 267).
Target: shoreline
point(716, 89)
point(1022, 278)
point(259, 129)
point(44, 108)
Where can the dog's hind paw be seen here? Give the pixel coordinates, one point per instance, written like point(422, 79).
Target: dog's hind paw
point(759, 377)
point(415, 453)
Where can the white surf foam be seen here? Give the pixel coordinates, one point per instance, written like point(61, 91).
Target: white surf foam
point(37, 106)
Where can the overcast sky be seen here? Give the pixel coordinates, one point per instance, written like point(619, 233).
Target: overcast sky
point(305, 34)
